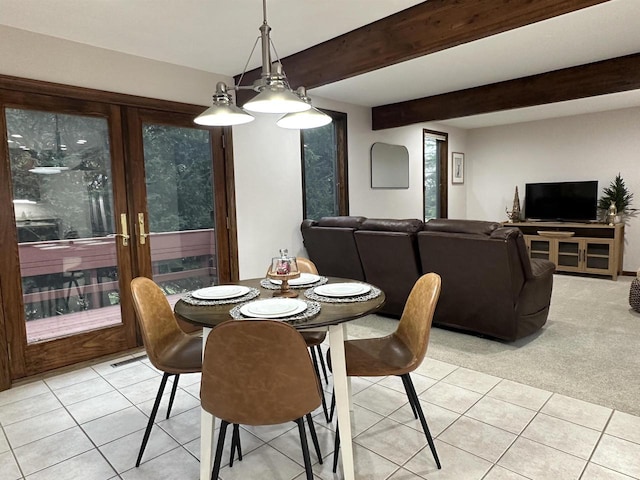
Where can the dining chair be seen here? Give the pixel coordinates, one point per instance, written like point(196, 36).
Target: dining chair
point(399, 353)
point(169, 349)
point(258, 372)
point(313, 339)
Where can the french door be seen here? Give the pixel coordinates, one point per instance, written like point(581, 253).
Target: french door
point(182, 219)
point(92, 195)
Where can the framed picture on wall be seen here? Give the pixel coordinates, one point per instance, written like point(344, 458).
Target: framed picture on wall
point(457, 167)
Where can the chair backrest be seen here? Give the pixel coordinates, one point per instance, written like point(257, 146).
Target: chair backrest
point(306, 266)
point(415, 324)
point(257, 372)
point(158, 325)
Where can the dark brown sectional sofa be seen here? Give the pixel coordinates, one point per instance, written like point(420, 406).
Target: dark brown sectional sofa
point(489, 284)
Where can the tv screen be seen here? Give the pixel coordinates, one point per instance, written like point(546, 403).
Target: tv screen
point(562, 201)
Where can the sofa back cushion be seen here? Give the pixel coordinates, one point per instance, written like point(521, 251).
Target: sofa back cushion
point(343, 221)
point(390, 259)
point(481, 280)
point(451, 225)
point(411, 225)
point(332, 247)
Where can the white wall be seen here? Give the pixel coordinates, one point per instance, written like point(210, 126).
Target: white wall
point(594, 146)
point(392, 203)
point(40, 57)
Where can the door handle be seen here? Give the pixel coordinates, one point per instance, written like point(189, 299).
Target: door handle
point(143, 235)
point(124, 229)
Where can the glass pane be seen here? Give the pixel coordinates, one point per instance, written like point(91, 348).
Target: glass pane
point(431, 178)
point(568, 260)
point(60, 171)
point(598, 249)
point(539, 246)
point(320, 172)
point(179, 177)
point(598, 262)
point(568, 247)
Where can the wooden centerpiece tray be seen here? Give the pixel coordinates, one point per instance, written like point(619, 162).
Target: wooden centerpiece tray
point(555, 234)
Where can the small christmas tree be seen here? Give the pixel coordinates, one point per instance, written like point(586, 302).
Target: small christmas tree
point(618, 194)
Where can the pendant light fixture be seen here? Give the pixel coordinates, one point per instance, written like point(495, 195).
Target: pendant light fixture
point(311, 118)
point(274, 92)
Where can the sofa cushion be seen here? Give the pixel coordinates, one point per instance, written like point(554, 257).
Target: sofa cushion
point(343, 221)
point(450, 225)
point(411, 225)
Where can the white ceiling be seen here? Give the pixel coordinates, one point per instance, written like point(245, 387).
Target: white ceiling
point(217, 36)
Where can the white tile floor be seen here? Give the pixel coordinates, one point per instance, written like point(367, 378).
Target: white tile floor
point(88, 423)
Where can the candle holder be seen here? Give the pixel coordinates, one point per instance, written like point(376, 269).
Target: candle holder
point(284, 268)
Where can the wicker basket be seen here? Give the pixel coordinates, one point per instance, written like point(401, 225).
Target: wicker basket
point(634, 294)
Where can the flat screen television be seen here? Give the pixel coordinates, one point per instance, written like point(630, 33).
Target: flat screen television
point(562, 201)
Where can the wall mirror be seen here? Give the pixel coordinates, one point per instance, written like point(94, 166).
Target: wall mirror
point(389, 166)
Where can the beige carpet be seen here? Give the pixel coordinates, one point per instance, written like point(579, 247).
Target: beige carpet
point(589, 348)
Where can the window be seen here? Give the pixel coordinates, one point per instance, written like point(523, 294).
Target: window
point(435, 174)
point(324, 168)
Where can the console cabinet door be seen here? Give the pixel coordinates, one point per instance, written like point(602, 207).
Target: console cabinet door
point(539, 247)
point(569, 255)
point(598, 256)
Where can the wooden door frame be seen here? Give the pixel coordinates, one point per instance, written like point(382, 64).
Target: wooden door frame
point(443, 173)
point(224, 193)
point(24, 92)
point(44, 355)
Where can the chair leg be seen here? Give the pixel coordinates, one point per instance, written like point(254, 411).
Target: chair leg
point(423, 421)
point(152, 417)
point(322, 364)
point(333, 405)
point(314, 437)
point(409, 396)
point(235, 444)
point(336, 449)
point(324, 402)
point(314, 359)
point(173, 393)
point(305, 448)
point(218, 459)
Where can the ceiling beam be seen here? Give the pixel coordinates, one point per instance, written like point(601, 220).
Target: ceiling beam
point(599, 78)
point(425, 28)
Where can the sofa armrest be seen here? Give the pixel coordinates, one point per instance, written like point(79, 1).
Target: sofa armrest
point(542, 268)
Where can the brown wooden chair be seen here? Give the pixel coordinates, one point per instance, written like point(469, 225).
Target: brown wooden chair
point(313, 339)
point(258, 372)
point(169, 349)
point(400, 352)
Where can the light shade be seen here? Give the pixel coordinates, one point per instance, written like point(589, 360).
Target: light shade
point(311, 118)
point(222, 115)
point(276, 99)
point(223, 112)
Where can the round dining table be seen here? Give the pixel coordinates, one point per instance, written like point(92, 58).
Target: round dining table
point(332, 316)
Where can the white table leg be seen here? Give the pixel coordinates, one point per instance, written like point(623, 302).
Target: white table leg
point(342, 391)
point(207, 427)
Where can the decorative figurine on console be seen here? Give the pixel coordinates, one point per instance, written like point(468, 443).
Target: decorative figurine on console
point(284, 268)
point(612, 212)
point(514, 213)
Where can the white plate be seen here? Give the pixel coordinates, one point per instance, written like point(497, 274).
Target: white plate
point(273, 308)
point(342, 289)
point(220, 292)
point(303, 279)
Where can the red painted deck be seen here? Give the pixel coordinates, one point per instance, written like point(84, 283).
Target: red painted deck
point(91, 262)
